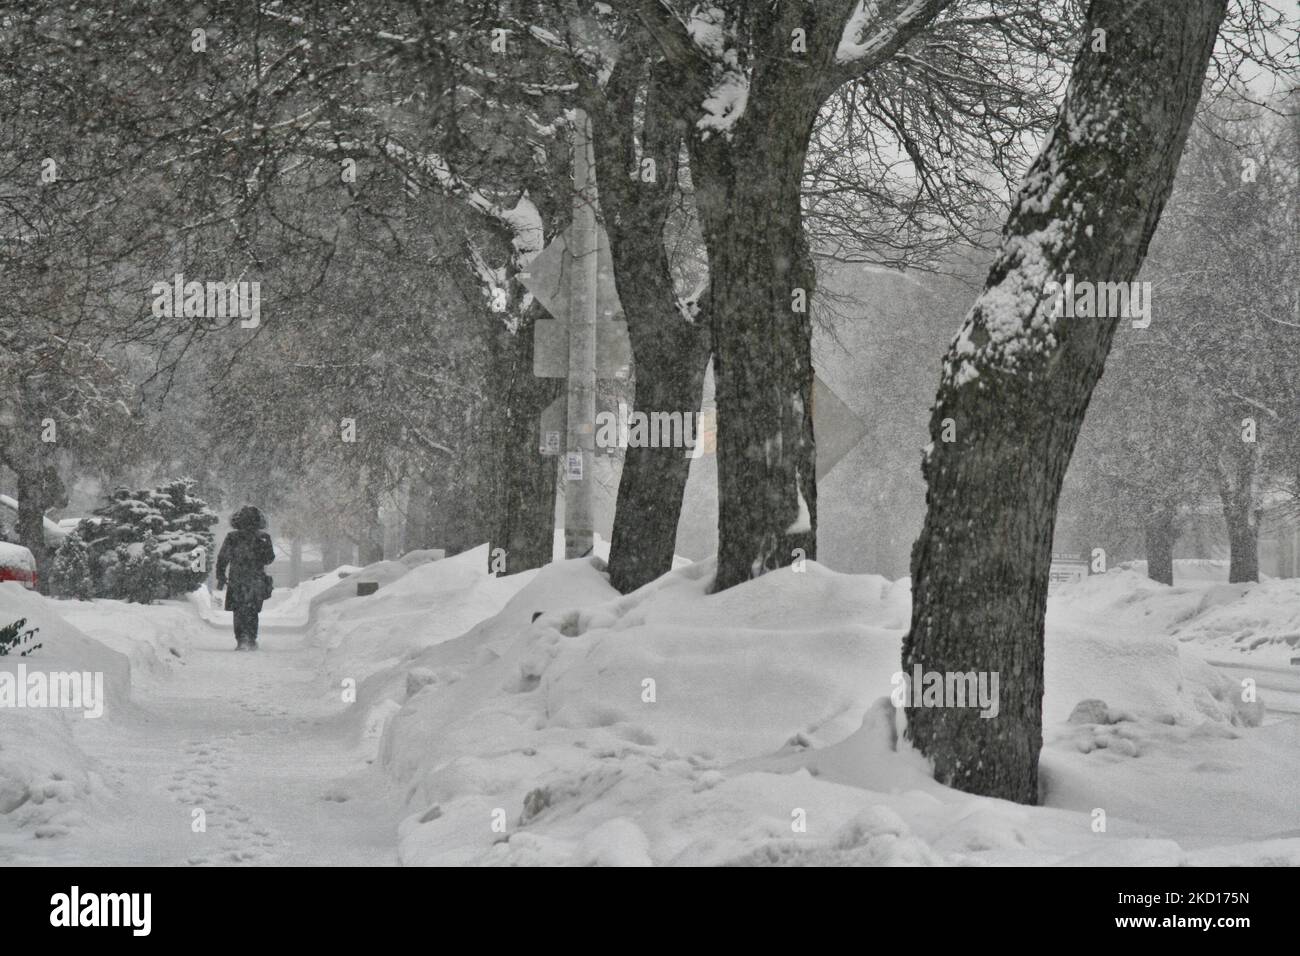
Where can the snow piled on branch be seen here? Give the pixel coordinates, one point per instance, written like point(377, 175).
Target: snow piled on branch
point(526, 223)
point(864, 33)
point(725, 104)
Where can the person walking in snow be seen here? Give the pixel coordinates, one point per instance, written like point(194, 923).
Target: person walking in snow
point(243, 555)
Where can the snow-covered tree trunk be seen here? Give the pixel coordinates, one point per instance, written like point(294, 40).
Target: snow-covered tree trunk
point(761, 287)
point(1016, 384)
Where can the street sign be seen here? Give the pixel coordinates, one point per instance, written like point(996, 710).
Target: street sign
point(836, 427)
point(1066, 569)
point(554, 420)
point(547, 281)
point(551, 349)
point(560, 278)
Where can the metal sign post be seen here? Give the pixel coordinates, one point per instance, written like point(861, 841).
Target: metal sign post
point(583, 279)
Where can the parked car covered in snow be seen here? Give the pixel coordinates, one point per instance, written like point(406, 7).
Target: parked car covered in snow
point(17, 564)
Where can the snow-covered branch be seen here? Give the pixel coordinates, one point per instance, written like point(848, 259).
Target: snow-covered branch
point(877, 29)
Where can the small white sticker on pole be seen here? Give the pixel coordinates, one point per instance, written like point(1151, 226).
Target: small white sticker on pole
point(573, 466)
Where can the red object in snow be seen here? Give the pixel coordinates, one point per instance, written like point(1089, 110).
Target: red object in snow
point(26, 578)
point(17, 564)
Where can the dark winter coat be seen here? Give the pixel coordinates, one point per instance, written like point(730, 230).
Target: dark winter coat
point(243, 555)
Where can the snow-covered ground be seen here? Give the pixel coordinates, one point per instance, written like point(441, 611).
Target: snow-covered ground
point(436, 721)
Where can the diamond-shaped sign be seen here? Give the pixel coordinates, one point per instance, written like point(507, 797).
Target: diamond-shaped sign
point(837, 428)
point(547, 281)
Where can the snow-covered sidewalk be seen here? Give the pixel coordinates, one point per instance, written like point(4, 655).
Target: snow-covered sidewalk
point(218, 757)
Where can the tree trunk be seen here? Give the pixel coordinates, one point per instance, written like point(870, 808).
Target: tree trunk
point(1238, 474)
point(295, 562)
point(1017, 381)
point(1286, 553)
point(458, 527)
point(761, 287)
point(371, 549)
point(39, 489)
point(653, 482)
point(417, 515)
point(1160, 534)
point(370, 538)
point(670, 350)
point(522, 490)
point(329, 553)
point(1242, 518)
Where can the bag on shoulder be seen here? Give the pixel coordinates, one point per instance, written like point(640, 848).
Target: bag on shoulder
point(268, 586)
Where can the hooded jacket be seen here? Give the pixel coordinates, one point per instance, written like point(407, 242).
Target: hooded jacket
point(243, 555)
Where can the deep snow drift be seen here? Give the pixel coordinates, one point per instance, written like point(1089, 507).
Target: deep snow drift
point(674, 726)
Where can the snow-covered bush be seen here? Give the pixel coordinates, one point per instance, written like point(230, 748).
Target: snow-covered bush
point(70, 576)
point(179, 525)
point(143, 580)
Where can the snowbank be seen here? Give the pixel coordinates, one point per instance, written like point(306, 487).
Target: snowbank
point(427, 604)
point(45, 776)
point(381, 573)
point(542, 718)
point(674, 726)
point(600, 549)
point(1250, 622)
point(151, 637)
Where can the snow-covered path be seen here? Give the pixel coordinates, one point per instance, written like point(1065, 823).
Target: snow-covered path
point(248, 740)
